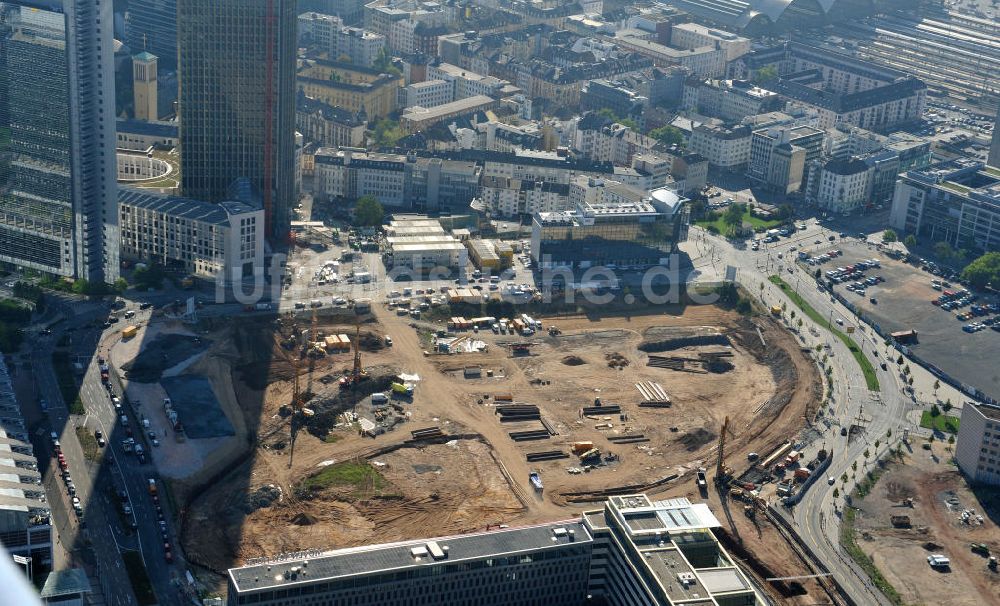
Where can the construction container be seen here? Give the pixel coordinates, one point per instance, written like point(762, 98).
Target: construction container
point(581, 447)
point(129, 332)
point(801, 474)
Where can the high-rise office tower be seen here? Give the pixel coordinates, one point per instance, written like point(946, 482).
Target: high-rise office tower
point(58, 194)
point(144, 97)
point(151, 25)
point(994, 158)
point(237, 101)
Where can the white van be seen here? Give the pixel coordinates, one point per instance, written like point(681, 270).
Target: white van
point(379, 398)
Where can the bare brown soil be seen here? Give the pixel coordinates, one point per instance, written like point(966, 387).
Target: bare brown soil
point(483, 479)
point(940, 494)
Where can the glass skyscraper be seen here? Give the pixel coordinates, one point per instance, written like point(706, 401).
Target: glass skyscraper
point(58, 198)
point(237, 101)
point(151, 25)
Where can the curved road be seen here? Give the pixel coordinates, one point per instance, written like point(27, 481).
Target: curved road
point(815, 518)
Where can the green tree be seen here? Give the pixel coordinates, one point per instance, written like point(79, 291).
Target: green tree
point(80, 286)
point(984, 270)
point(733, 217)
point(150, 277)
point(889, 236)
point(387, 133)
point(383, 63)
point(668, 135)
point(368, 211)
point(910, 241)
point(120, 285)
point(765, 74)
point(946, 407)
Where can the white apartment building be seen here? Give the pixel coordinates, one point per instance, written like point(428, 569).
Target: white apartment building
point(844, 185)
point(729, 99)
point(978, 449)
point(725, 148)
point(704, 61)
point(329, 34)
point(693, 35)
point(344, 174)
point(429, 93)
point(206, 239)
point(614, 143)
point(591, 191)
point(513, 198)
point(466, 83)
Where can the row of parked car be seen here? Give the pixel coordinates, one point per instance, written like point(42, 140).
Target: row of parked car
point(64, 473)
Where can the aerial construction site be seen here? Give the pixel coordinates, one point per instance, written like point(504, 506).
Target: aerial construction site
point(347, 428)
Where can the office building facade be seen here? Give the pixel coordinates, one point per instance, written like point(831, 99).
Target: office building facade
point(779, 156)
point(209, 240)
point(237, 102)
point(978, 449)
point(994, 155)
point(611, 225)
point(58, 204)
point(633, 552)
point(151, 25)
point(25, 518)
point(955, 202)
point(397, 181)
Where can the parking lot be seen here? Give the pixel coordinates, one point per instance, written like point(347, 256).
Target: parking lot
point(903, 302)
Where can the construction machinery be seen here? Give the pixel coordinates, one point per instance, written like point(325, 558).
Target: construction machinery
point(357, 373)
point(722, 471)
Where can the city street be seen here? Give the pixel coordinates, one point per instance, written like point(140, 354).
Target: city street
point(815, 518)
point(97, 530)
point(103, 528)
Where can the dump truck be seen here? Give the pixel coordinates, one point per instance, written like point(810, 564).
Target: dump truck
point(130, 331)
point(702, 480)
point(775, 310)
point(402, 389)
point(792, 458)
point(536, 481)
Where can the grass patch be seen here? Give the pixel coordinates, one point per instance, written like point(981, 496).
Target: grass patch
point(360, 477)
point(139, 578)
point(866, 366)
point(331, 438)
point(67, 384)
point(88, 443)
point(848, 539)
point(942, 423)
point(755, 222)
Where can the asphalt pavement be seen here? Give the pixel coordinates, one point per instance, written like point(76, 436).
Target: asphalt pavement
point(816, 518)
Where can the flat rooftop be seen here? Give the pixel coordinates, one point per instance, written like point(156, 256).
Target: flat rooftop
point(990, 412)
point(419, 114)
point(407, 555)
